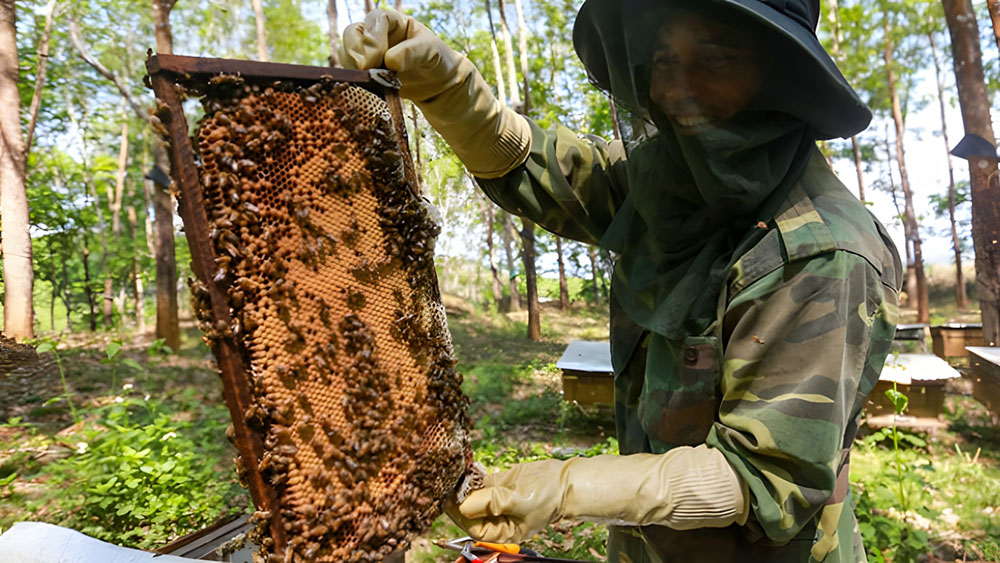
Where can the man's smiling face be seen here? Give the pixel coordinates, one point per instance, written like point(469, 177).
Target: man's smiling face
point(703, 72)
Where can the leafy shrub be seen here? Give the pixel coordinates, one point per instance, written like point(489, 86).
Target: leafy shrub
point(142, 481)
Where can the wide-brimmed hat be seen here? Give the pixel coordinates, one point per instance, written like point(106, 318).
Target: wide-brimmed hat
point(818, 93)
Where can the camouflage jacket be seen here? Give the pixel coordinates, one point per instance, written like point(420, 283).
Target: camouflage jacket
point(804, 323)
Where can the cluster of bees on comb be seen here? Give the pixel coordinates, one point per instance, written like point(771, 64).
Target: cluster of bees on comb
point(323, 254)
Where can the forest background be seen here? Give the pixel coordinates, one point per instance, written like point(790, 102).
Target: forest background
point(109, 261)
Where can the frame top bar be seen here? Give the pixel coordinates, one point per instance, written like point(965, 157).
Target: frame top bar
point(202, 67)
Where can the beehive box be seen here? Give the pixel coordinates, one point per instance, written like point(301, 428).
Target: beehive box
point(950, 340)
point(316, 291)
point(587, 375)
point(985, 375)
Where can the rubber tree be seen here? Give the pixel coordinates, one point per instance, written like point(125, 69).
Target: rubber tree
point(985, 188)
point(18, 275)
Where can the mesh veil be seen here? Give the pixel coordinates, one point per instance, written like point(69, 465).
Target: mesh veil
point(730, 142)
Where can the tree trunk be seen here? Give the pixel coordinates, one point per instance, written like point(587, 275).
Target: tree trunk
point(615, 128)
point(115, 199)
point(495, 52)
point(147, 193)
point(91, 307)
point(508, 236)
point(67, 293)
point(833, 14)
point(563, 286)
point(136, 276)
point(522, 46)
point(486, 212)
point(528, 231)
point(508, 56)
point(369, 6)
point(418, 162)
point(910, 216)
point(18, 277)
point(975, 103)
point(334, 36)
point(43, 59)
point(994, 9)
point(167, 324)
point(593, 273)
point(55, 291)
point(530, 281)
point(960, 297)
point(258, 16)
point(857, 167)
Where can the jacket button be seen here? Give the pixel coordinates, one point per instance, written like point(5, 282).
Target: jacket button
point(690, 356)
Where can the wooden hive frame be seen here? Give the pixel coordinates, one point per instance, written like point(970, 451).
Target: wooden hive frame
point(170, 76)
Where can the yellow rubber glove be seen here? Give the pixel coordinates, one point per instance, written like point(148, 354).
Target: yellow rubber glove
point(684, 488)
point(490, 139)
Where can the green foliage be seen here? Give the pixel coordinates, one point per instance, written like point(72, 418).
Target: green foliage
point(50, 346)
point(141, 480)
point(904, 544)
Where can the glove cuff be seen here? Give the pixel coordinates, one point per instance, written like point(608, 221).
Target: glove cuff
point(489, 138)
point(705, 492)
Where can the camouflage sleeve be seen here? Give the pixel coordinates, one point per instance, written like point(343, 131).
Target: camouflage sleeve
point(805, 346)
point(570, 185)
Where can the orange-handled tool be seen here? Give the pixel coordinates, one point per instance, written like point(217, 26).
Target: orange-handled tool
point(512, 548)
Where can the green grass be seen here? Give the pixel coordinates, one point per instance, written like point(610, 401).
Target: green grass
point(951, 480)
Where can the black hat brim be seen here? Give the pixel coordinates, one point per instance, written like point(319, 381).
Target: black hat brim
point(822, 97)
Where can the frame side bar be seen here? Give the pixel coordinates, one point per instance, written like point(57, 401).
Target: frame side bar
point(231, 364)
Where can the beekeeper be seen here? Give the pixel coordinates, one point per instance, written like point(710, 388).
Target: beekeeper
point(754, 299)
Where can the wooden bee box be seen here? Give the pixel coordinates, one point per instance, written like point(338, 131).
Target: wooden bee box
point(587, 375)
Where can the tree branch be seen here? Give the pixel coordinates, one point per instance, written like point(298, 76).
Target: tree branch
point(81, 49)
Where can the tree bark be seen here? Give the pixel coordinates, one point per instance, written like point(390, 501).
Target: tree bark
point(530, 279)
point(508, 236)
point(167, 324)
point(369, 6)
point(563, 286)
point(332, 33)
point(258, 16)
point(960, 297)
point(43, 59)
point(18, 276)
point(985, 188)
point(916, 268)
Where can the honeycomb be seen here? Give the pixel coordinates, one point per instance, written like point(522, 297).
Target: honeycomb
point(325, 256)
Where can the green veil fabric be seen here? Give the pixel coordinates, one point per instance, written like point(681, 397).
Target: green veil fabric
point(695, 194)
point(692, 208)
